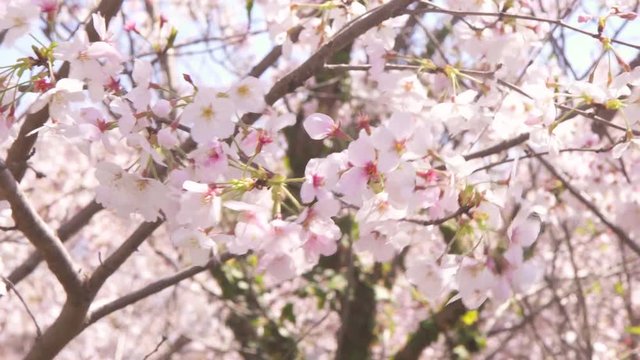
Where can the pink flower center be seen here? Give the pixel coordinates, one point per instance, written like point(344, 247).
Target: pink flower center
point(42, 85)
point(264, 138)
point(371, 169)
point(114, 85)
point(214, 155)
point(430, 176)
point(318, 181)
point(50, 7)
point(102, 125)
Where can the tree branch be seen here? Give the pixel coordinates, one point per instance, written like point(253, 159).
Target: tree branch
point(118, 257)
point(12, 286)
point(586, 202)
point(440, 221)
point(39, 234)
point(502, 15)
point(151, 289)
point(65, 232)
point(507, 144)
point(315, 62)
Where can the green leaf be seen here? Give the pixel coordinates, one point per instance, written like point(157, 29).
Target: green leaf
point(287, 313)
point(248, 5)
point(171, 39)
point(426, 65)
point(618, 288)
point(470, 317)
point(633, 330)
point(252, 260)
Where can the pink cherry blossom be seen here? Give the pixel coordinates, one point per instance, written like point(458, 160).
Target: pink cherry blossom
point(59, 98)
point(524, 230)
point(17, 18)
point(210, 160)
point(209, 115)
point(248, 95)
point(140, 94)
point(364, 168)
point(321, 175)
point(196, 244)
point(430, 279)
point(474, 281)
point(127, 193)
point(200, 206)
point(320, 126)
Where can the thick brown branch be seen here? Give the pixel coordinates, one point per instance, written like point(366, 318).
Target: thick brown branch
point(65, 232)
point(315, 62)
point(358, 321)
point(273, 55)
point(39, 234)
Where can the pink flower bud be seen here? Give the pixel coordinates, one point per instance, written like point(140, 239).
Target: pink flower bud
point(584, 18)
point(130, 26)
point(628, 15)
point(320, 126)
point(162, 108)
point(167, 138)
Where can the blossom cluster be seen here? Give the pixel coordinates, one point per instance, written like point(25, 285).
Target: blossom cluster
point(415, 172)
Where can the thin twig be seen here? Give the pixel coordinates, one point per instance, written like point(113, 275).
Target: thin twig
point(11, 286)
point(443, 220)
point(589, 204)
point(164, 338)
point(503, 15)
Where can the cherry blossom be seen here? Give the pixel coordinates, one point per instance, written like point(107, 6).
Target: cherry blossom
point(320, 126)
point(200, 206)
point(195, 243)
point(211, 161)
point(319, 179)
point(364, 168)
point(430, 279)
point(59, 98)
point(97, 62)
point(396, 141)
point(124, 192)
point(321, 176)
point(140, 95)
point(524, 231)
point(322, 233)
point(17, 19)
point(209, 115)
point(248, 95)
point(474, 280)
